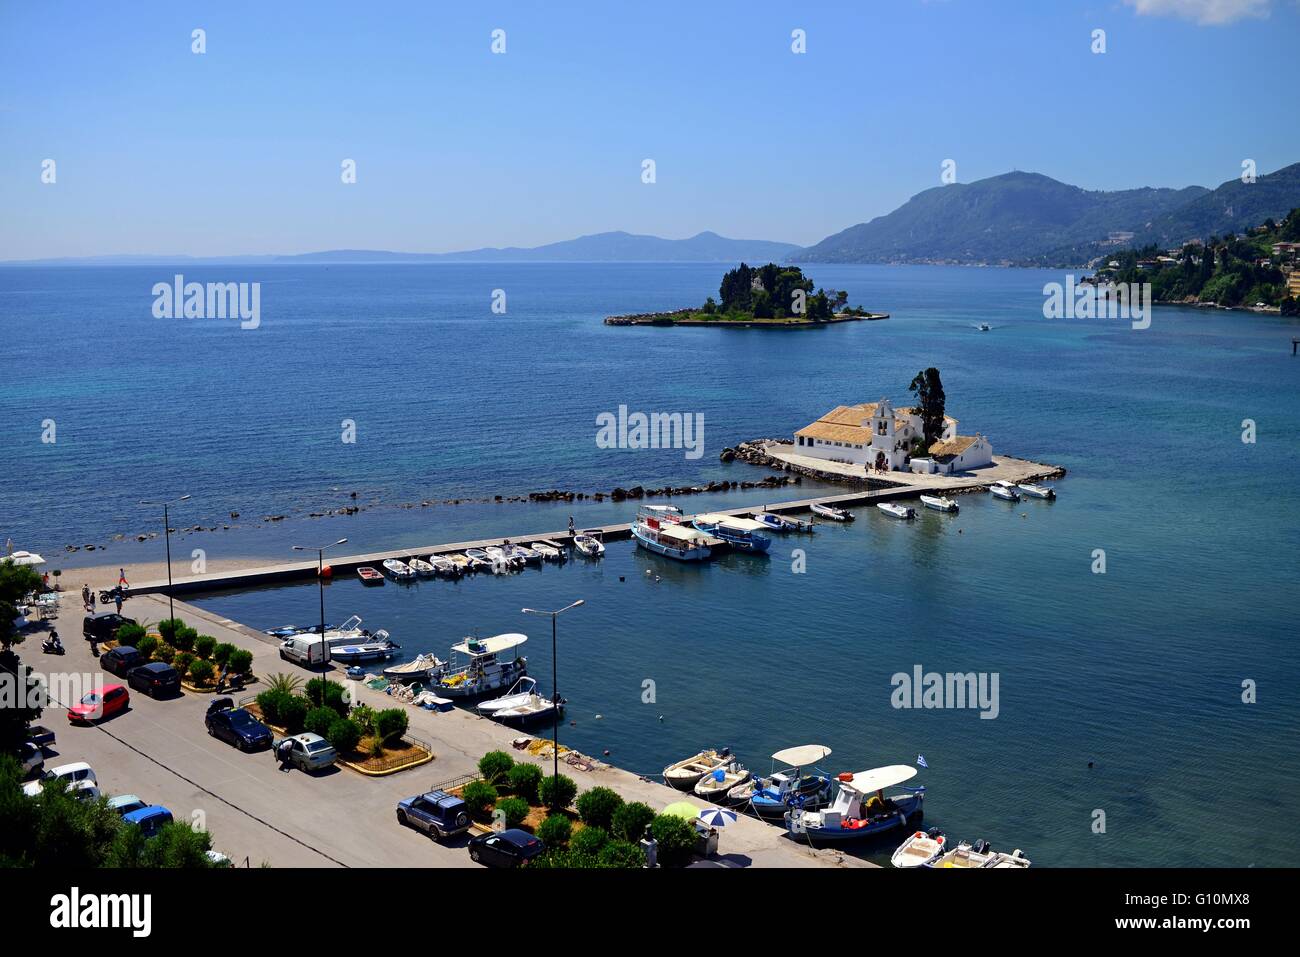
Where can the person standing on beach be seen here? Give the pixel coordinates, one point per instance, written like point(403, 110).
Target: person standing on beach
point(86, 597)
point(117, 597)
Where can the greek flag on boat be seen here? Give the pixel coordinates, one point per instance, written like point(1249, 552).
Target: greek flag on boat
point(920, 760)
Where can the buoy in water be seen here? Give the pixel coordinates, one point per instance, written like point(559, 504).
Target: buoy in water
point(326, 572)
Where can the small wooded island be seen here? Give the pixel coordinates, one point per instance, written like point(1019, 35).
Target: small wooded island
point(768, 296)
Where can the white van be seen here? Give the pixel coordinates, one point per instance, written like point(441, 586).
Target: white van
point(303, 650)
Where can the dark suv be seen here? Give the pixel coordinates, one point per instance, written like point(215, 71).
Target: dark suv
point(103, 626)
point(156, 679)
point(436, 813)
point(121, 660)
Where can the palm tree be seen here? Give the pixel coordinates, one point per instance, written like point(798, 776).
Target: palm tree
point(288, 684)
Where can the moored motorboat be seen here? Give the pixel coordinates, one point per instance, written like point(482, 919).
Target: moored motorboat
point(831, 512)
point(771, 797)
point(718, 783)
point(532, 709)
point(1005, 491)
point(517, 695)
point(421, 668)
point(498, 555)
point(483, 671)
point(940, 503)
point(420, 567)
point(977, 855)
point(459, 562)
point(369, 576)
point(856, 812)
point(662, 529)
point(919, 848)
point(685, 774)
point(443, 565)
point(780, 523)
point(1037, 491)
point(529, 556)
point(375, 649)
point(548, 552)
point(398, 570)
point(588, 543)
point(897, 511)
point(743, 534)
point(479, 560)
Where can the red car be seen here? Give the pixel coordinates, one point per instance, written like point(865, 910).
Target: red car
point(104, 703)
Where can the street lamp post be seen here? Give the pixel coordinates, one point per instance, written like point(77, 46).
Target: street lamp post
point(320, 580)
point(167, 537)
point(555, 679)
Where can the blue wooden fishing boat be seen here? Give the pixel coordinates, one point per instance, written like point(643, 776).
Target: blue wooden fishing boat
point(743, 534)
point(772, 796)
point(860, 809)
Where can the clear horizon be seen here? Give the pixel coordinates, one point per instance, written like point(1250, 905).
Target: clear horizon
point(238, 151)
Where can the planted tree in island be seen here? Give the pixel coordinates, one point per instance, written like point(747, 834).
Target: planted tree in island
point(928, 390)
point(495, 765)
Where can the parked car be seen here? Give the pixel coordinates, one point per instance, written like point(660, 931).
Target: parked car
point(236, 726)
point(307, 752)
point(156, 679)
point(72, 773)
point(120, 660)
point(149, 819)
point(32, 759)
point(40, 736)
point(508, 848)
point(126, 803)
point(436, 813)
point(103, 626)
point(97, 705)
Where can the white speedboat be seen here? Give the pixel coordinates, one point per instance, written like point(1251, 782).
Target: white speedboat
point(919, 849)
point(1005, 491)
point(984, 327)
point(857, 812)
point(420, 567)
point(1037, 491)
point(831, 512)
point(497, 554)
point(420, 669)
point(897, 511)
point(375, 648)
point(478, 559)
point(532, 709)
point(517, 695)
point(529, 556)
point(588, 543)
point(685, 774)
point(548, 552)
point(940, 503)
point(398, 570)
point(977, 856)
point(782, 524)
point(442, 565)
point(498, 565)
point(483, 670)
point(716, 784)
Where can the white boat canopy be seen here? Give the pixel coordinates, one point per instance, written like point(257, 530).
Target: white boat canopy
point(27, 558)
point(682, 533)
point(803, 755)
point(880, 778)
point(490, 646)
point(731, 521)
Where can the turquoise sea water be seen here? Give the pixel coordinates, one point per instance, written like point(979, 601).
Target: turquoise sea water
point(1138, 670)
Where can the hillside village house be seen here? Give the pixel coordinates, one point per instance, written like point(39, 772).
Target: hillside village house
point(880, 437)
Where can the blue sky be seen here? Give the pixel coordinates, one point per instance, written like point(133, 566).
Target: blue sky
point(238, 150)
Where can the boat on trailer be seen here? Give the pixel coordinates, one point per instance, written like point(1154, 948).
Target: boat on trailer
point(1037, 491)
point(904, 512)
point(1005, 491)
point(662, 529)
point(484, 671)
point(588, 542)
point(940, 503)
point(771, 797)
point(857, 812)
point(685, 774)
point(743, 534)
point(831, 512)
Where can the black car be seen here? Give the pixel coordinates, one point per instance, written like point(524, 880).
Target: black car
point(155, 679)
point(509, 848)
point(103, 626)
point(121, 660)
point(236, 726)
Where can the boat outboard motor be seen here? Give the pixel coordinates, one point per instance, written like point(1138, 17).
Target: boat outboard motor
point(980, 847)
point(934, 833)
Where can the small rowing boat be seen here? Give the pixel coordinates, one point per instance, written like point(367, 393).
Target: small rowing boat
point(897, 511)
point(685, 774)
point(548, 552)
point(940, 503)
point(443, 565)
point(919, 849)
point(369, 576)
point(831, 512)
point(420, 567)
point(715, 785)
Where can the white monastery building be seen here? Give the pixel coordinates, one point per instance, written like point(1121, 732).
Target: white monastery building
point(878, 436)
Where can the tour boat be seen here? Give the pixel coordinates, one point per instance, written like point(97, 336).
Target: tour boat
point(483, 671)
point(685, 774)
point(398, 569)
point(517, 695)
point(940, 503)
point(742, 534)
point(588, 543)
point(771, 797)
point(782, 524)
point(548, 552)
point(369, 576)
point(978, 856)
point(1037, 491)
point(1005, 491)
point(919, 849)
point(443, 565)
point(897, 511)
point(831, 512)
point(419, 669)
point(856, 812)
point(420, 567)
point(662, 529)
point(716, 784)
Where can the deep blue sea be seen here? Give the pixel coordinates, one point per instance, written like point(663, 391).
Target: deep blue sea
point(1138, 670)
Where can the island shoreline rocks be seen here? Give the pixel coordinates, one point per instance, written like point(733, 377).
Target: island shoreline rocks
point(670, 319)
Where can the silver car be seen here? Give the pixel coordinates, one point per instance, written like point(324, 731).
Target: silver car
point(307, 752)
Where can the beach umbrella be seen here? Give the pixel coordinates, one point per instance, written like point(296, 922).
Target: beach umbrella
point(683, 809)
point(717, 817)
point(27, 558)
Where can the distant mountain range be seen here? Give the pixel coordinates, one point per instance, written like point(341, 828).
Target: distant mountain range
point(1023, 219)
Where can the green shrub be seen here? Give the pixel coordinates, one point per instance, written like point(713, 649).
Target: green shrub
point(376, 746)
point(222, 652)
point(201, 672)
point(203, 646)
point(555, 831)
point(183, 640)
point(513, 810)
point(621, 854)
point(165, 652)
point(557, 792)
point(147, 646)
point(271, 702)
point(318, 721)
point(182, 661)
point(241, 661)
point(333, 695)
point(495, 766)
point(293, 712)
point(168, 628)
point(524, 779)
point(130, 634)
point(589, 841)
point(344, 734)
point(597, 806)
point(364, 716)
point(631, 820)
point(391, 724)
point(676, 838)
point(478, 797)
point(559, 859)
